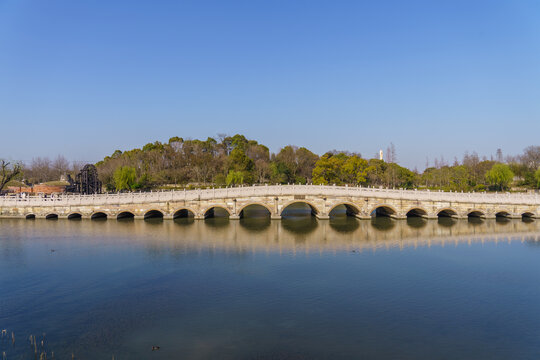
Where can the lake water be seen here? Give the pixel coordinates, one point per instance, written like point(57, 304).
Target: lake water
point(298, 288)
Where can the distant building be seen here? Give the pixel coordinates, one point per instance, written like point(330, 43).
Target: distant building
point(38, 189)
point(381, 155)
point(86, 183)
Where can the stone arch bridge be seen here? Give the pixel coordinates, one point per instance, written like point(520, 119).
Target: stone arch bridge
point(360, 202)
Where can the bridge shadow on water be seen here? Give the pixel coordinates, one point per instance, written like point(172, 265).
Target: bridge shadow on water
point(291, 232)
point(184, 221)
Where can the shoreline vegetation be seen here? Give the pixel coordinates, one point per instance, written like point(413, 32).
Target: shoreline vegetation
point(236, 160)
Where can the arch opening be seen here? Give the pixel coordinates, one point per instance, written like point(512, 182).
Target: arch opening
point(51, 217)
point(383, 211)
point(417, 212)
point(30, 217)
point(74, 216)
point(527, 215)
point(502, 215)
point(125, 215)
point(447, 213)
point(254, 211)
point(344, 210)
point(153, 214)
point(298, 209)
point(216, 212)
point(183, 213)
point(99, 216)
point(476, 214)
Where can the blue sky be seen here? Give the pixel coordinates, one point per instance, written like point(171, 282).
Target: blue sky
point(83, 78)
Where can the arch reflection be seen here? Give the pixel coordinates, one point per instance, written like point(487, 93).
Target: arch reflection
point(383, 223)
point(416, 222)
point(344, 224)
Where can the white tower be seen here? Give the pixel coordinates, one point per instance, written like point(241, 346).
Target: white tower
point(380, 154)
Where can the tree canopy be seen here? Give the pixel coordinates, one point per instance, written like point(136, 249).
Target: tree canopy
point(237, 160)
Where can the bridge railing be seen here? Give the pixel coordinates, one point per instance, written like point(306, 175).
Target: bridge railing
point(269, 190)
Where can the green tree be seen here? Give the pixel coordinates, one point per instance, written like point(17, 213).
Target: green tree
point(235, 177)
point(125, 178)
point(354, 170)
point(240, 162)
point(537, 177)
point(500, 176)
point(278, 172)
point(328, 169)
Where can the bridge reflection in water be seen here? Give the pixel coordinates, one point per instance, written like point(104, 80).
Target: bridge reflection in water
point(294, 233)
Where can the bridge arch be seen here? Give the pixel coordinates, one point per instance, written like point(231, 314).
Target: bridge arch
point(254, 204)
point(416, 211)
point(314, 210)
point(383, 210)
point(447, 212)
point(476, 213)
point(30, 216)
point(51, 216)
point(74, 216)
point(528, 215)
point(98, 215)
point(183, 212)
point(124, 214)
point(153, 214)
point(350, 209)
point(500, 213)
point(210, 211)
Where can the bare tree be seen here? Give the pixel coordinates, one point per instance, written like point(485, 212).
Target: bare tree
point(60, 166)
point(531, 157)
point(8, 172)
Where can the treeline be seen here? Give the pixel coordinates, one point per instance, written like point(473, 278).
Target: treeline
point(42, 169)
point(236, 160)
point(230, 160)
point(475, 174)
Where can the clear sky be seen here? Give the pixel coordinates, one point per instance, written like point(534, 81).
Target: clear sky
point(83, 78)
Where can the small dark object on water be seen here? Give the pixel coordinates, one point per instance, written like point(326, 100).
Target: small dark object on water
point(353, 251)
point(52, 250)
point(154, 348)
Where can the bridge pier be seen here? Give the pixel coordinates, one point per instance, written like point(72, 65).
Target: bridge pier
point(322, 217)
point(234, 217)
point(275, 217)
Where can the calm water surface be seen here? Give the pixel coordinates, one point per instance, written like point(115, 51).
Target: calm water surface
point(259, 289)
